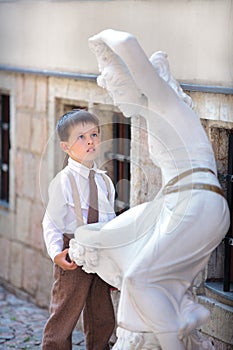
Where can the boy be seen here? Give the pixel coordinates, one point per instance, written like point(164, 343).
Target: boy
point(74, 290)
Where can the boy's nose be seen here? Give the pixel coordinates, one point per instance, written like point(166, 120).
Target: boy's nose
point(90, 141)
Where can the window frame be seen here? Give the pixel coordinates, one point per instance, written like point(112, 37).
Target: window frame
point(5, 150)
point(223, 286)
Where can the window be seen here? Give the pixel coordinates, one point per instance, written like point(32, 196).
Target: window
point(220, 268)
point(120, 156)
point(228, 262)
point(4, 148)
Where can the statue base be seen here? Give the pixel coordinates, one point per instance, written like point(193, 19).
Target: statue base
point(127, 340)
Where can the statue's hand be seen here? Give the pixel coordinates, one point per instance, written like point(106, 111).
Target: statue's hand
point(115, 75)
point(83, 256)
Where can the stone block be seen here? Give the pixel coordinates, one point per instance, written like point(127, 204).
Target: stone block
point(205, 105)
point(15, 267)
point(38, 135)
point(23, 126)
point(4, 258)
point(19, 173)
point(29, 175)
point(217, 107)
point(218, 345)
point(23, 209)
point(226, 108)
point(26, 85)
point(19, 90)
point(42, 181)
point(41, 97)
point(36, 234)
point(220, 321)
point(31, 270)
point(7, 224)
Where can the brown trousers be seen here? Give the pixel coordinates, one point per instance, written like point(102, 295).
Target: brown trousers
point(73, 292)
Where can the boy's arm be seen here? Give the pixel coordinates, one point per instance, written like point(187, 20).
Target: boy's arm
point(54, 243)
point(54, 224)
point(60, 260)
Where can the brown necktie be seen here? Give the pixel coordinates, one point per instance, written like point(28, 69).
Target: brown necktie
point(93, 214)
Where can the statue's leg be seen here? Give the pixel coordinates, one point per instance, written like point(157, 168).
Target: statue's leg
point(152, 293)
point(153, 305)
point(194, 318)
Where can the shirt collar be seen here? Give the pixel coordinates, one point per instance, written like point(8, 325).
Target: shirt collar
point(82, 169)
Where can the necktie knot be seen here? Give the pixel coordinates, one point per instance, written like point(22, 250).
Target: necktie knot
point(92, 174)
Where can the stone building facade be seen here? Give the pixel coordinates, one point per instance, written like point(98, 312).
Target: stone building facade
point(37, 97)
point(36, 103)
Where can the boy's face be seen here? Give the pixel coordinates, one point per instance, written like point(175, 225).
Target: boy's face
point(83, 142)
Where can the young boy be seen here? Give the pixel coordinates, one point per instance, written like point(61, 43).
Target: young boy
point(74, 290)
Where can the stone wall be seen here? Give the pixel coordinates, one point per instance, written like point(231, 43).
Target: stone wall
point(215, 112)
point(23, 262)
point(36, 103)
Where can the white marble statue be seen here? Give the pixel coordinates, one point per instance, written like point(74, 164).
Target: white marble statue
point(154, 251)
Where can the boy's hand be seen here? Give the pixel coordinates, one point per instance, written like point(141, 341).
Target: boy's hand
point(60, 260)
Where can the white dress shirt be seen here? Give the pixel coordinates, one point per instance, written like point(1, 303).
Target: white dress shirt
point(60, 215)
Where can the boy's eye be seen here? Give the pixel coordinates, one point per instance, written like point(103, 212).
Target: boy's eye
point(81, 137)
point(94, 134)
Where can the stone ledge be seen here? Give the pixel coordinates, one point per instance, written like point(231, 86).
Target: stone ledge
point(214, 290)
point(220, 320)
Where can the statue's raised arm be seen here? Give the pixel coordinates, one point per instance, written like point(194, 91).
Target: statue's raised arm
point(123, 64)
point(154, 251)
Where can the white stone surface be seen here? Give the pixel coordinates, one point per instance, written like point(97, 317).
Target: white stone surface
point(153, 252)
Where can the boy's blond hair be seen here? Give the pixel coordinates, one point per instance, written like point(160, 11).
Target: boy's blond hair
point(72, 118)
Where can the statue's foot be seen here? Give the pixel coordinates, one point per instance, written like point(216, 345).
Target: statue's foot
point(194, 319)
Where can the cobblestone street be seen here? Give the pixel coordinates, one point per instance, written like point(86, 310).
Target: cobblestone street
point(21, 324)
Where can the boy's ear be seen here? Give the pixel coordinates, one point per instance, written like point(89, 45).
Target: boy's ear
point(64, 146)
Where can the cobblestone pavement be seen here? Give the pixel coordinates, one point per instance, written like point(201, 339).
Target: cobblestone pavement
point(21, 324)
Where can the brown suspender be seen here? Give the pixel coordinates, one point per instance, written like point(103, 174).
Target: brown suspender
point(77, 207)
point(76, 198)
